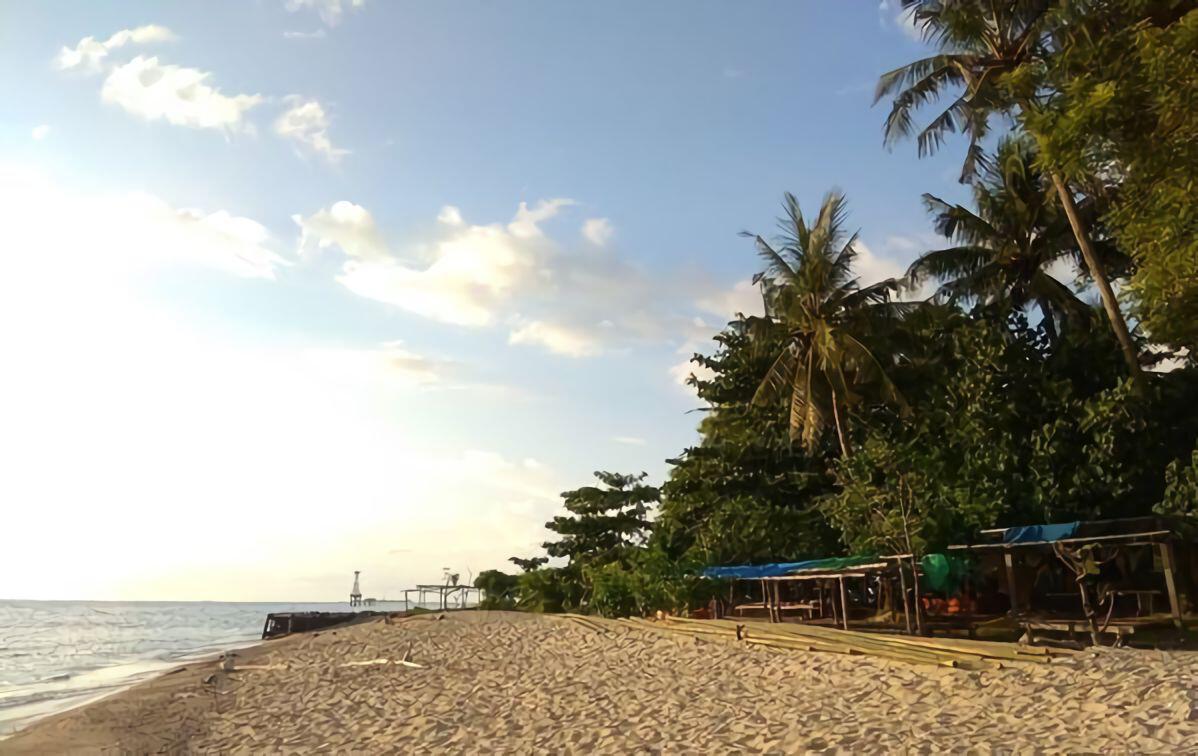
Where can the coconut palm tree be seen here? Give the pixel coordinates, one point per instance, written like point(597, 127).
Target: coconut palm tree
point(825, 371)
point(989, 50)
point(1005, 247)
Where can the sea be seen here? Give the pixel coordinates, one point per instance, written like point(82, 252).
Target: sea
point(55, 655)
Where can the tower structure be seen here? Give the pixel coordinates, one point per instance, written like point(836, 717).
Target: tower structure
point(355, 596)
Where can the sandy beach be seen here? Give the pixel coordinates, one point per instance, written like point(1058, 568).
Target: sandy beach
point(506, 682)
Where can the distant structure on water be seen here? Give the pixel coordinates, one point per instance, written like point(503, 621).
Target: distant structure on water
point(355, 595)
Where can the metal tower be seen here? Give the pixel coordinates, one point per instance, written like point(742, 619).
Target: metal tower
point(355, 596)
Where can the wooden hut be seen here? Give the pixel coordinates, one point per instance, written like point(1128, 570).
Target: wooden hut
point(1106, 577)
point(816, 590)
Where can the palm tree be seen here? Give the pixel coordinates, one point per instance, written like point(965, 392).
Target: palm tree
point(825, 370)
point(989, 49)
point(1005, 248)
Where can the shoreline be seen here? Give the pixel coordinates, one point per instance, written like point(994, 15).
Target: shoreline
point(54, 705)
point(525, 682)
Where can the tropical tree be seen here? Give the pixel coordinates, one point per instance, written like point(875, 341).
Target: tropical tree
point(1005, 248)
point(992, 56)
point(1125, 111)
point(744, 493)
point(824, 370)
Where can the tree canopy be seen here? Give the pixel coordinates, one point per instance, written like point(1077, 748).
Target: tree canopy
point(847, 419)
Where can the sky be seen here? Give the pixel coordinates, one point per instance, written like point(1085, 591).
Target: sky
point(293, 288)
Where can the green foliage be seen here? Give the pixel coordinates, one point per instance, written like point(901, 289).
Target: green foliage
point(550, 589)
point(1003, 250)
point(844, 422)
point(499, 589)
point(1181, 488)
point(1124, 121)
point(744, 493)
point(824, 371)
point(959, 462)
point(527, 565)
point(604, 521)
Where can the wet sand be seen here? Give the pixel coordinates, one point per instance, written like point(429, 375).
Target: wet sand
point(516, 683)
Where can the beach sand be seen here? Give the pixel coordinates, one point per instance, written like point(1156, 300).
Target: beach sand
point(517, 683)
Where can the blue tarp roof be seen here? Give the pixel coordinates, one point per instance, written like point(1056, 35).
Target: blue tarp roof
point(751, 571)
point(778, 569)
point(1031, 533)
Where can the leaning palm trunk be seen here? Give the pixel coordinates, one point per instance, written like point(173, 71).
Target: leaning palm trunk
point(840, 435)
point(1109, 303)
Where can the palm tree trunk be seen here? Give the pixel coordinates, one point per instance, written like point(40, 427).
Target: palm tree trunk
point(1109, 303)
point(844, 444)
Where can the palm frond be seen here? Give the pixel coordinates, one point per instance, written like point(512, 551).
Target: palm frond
point(945, 264)
point(777, 266)
point(924, 81)
point(778, 380)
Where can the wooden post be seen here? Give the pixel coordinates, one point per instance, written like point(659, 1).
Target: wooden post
point(919, 628)
point(1012, 591)
point(844, 606)
point(778, 600)
point(832, 605)
point(903, 587)
point(1166, 549)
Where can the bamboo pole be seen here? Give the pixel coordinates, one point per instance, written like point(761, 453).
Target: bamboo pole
point(844, 605)
point(903, 586)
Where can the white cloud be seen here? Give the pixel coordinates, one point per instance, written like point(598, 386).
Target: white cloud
point(346, 226)
point(469, 275)
point(450, 216)
point(330, 11)
point(743, 298)
point(629, 440)
point(598, 231)
point(682, 371)
point(115, 384)
point(388, 366)
point(570, 301)
point(181, 96)
point(892, 15)
point(307, 124)
point(318, 34)
point(104, 233)
point(559, 339)
point(872, 268)
point(526, 224)
point(40, 132)
point(90, 54)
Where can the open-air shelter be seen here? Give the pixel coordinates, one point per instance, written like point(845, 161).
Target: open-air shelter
point(1134, 563)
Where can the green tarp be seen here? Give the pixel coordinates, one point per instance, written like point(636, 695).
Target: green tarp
point(944, 573)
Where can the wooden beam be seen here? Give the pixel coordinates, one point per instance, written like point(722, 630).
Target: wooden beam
point(1170, 584)
point(1154, 534)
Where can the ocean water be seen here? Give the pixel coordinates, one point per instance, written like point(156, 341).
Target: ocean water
point(55, 655)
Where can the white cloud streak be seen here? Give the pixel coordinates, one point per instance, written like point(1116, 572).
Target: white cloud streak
point(318, 34)
point(90, 54)
point(154, 91)
point(331, 12)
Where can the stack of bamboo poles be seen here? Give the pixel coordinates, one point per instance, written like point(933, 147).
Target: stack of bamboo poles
point(949, 652)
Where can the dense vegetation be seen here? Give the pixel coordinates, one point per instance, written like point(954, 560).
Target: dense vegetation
point(865, 419)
